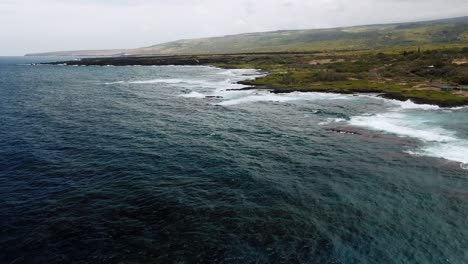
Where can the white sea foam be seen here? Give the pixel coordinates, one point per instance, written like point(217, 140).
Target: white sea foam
point(437, 141)
point(157, 81)
point(403, 121)
point(459, 108)
point(242, 73)
point(148, 81)
point(216, 87)
point(400, 124)
point(411, 105)
point(263, 96)
point(408, 104)
point(110, 83)
point(455, 151)
point(331, 120)
point(184, 82)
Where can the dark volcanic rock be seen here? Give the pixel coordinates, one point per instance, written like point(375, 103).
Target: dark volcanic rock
point(370, 134)
point(226, 59)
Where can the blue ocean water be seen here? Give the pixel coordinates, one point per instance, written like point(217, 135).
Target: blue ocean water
point(170, 165)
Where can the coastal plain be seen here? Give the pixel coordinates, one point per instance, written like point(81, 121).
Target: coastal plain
point(432, 75)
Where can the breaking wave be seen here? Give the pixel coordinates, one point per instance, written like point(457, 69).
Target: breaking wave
point(170, 81)
point(404, 121)
point(402, 118)
point(270, 97)
point(132, 172)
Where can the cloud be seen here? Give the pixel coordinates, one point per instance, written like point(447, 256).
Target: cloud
point(47, 25)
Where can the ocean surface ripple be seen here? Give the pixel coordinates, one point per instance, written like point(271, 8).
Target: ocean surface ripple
point(173, 165)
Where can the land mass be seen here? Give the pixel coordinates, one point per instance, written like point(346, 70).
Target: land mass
point(426, 62)
point(453, 31)
point(432, 76)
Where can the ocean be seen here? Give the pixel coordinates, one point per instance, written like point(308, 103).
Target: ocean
point(177, 165)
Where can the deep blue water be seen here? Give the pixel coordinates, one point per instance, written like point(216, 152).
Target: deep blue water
point(164, 165)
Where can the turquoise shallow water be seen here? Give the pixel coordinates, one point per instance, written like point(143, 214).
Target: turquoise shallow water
point(164, 164)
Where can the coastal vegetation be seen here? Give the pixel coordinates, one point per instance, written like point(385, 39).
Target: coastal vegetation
point(414, 73)
point(453, 31)
point(426, 62)
point(417, 73)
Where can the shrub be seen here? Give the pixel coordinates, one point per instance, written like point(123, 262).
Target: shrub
point(328, 76)
point(462, 80)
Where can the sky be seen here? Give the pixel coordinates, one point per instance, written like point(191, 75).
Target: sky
point(28, 26)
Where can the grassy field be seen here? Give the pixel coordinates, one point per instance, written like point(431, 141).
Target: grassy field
point(401, 61)
point(448, 32)
point(400, 73)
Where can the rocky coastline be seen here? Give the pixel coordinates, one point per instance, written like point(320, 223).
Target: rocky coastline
point(252, 59)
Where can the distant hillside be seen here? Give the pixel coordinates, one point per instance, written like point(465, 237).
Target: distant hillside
point(449, 31)
point(80, 53)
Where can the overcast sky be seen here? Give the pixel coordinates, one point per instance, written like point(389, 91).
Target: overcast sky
point(53, 25)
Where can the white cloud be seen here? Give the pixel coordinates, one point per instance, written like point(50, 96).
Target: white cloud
point(48, 25)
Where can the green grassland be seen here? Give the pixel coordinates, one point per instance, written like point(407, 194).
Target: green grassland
point(401, 61)
point(452, 31)
point(446, 31)
point(399, 73)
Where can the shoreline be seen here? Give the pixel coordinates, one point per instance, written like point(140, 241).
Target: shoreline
point(278, 77)
point(364, 92)
point(356, 91)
